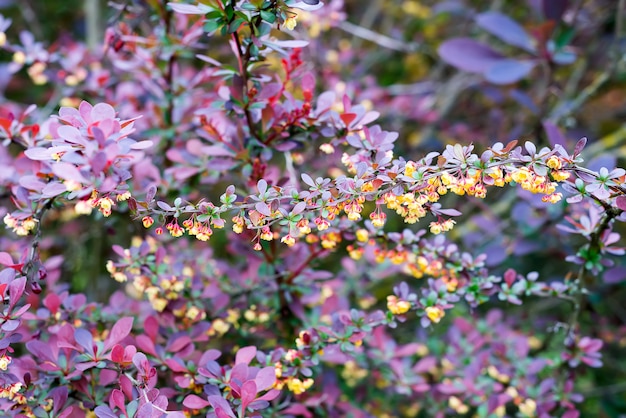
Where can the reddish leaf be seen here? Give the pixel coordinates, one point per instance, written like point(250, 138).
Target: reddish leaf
point(348, 118)
point(117, 399)
point(248, 393)
point(178, 344)
point(117, 354)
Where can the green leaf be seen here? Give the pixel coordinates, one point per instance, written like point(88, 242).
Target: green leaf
point(269, 17)
point(235, 24)
point(212, 25)
point(248, 6)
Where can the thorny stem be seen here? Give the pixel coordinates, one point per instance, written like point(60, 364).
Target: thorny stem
point(594, 246)
point(243, 61)
point(32, 264)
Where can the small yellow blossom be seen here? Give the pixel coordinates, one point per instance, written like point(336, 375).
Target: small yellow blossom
point(435, 313)
point(290, 23)
point(123, 196)
point(560, 175)
point(4, 362)
point(362, 235)
point(397, 306)
point(289, 240)
point(528, 407)
point(554, 163)
point(298, 386)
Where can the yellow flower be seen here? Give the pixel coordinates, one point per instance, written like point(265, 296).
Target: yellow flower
point(290, 23)
point(435, 313)
point(560, 175)
point(327, 148)
point(289, 240)
point(435, 228)
point(554, 163)
point(4, 362)
point(362, 235)
point(396, 306)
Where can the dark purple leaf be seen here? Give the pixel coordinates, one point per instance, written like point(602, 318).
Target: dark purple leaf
point(468, 55)
point(554, 9)
point(620, 202)
point(554, 134)
point(579, 146)
point(506, 29)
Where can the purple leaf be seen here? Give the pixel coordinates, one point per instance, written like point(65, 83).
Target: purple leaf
point(289, 44)
point(6, 259)
point(468, 55)
point(102, 111)
point(245, 355)
point(265, 378)
point(164, 206)
point(141, 145)
point(68, 171)
point(32, 183)
point(508, 71)
point(620, 202)
point(104, 411)
point(189, 9)
point(450, 212)
point(307, 179)
point(16, 289)
point(263, 209)
point(84, 339)
point(505, 28)
point(579, 146)
point(195, 402)
point(298, 208)
point(71, 134)
point(219, 402)
point(53, 189)
point(554, 134)
point(39, 153)
point(308, 5)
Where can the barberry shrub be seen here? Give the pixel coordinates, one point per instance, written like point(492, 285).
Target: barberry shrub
point(212, 224)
